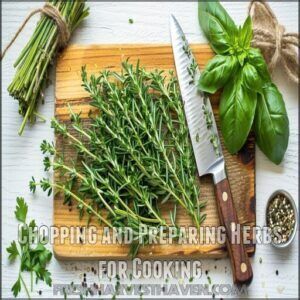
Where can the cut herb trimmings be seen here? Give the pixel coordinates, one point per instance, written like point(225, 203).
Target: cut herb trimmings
point(193, 65)
point(208, 116)
point(215, 143)
point(192, 69)
point(134, 156)
point(186, 49)
point(214, 140)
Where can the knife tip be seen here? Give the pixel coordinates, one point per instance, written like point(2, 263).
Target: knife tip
point(172, 18)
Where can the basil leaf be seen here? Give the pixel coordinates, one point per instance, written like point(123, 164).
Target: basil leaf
point(237, 110)
point(241, 58)
point(217, 25)
point(245, 34)
point(256, 59)
point(251, 78)
point(217, 72)
point(271, 123)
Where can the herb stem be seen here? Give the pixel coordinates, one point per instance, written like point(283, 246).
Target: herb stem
point(73, 171)
point(96, 158)
point(35, 59)
point(31, 281)
point(142, 168)
point(25, 286)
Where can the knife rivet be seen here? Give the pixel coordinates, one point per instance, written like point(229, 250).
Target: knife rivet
point(243, 267)
point(224, 196)
point(232, 225)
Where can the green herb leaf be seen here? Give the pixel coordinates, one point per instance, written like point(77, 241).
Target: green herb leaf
point(217, 25)
point(21, 210)
point(42, 274)
point(271, 123)
point(16, 288)
point(13, 251)
point(256, 59)
point(239, 98)
point(241, 58)
point(237, 109)
point(31, 260)
point(32, 224)
point(47, 277)
point(217, 72)
point(251, 78)
point(42, 254)
point(245, 34)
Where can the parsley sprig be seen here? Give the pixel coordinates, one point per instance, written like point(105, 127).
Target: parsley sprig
point(30, 250)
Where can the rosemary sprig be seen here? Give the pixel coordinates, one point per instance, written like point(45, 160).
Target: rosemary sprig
point(34, 61)
point(133, 157)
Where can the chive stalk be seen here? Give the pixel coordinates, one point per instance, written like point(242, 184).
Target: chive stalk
point(34, 61)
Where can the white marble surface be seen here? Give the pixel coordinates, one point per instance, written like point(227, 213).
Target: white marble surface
point(108, 23)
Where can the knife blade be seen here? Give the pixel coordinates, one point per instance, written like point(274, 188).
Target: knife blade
point(207, 147)
point(199, 116)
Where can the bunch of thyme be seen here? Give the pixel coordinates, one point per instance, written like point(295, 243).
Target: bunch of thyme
point(133, 157)
point(33, 62)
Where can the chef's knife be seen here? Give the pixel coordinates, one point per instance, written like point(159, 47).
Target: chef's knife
point(207, 148)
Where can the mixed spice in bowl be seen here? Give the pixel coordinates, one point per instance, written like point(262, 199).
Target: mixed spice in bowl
point(281, 217)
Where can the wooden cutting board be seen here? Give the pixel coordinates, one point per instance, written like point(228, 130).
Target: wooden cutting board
point(240, 167)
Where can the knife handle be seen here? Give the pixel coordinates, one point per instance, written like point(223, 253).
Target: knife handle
point(240, 263)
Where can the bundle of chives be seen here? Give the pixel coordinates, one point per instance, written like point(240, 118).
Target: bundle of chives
point(34, 61)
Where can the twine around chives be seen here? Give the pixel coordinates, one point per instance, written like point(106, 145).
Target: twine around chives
point(270, 37)
point(52, 12)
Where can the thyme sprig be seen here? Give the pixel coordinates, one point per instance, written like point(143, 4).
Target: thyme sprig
point(133, 157)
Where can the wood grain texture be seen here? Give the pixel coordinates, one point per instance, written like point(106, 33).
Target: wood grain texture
point(21, 158)
point(240, 167)
point(240, 264)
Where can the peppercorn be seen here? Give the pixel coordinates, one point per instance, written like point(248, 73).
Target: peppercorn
point(280, 218)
